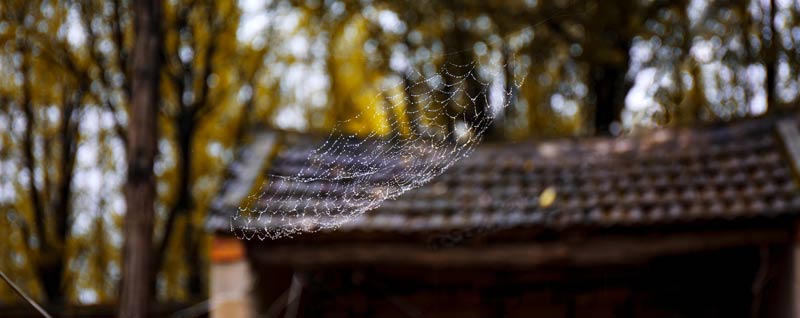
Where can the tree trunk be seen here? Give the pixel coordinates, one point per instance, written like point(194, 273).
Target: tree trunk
point(412, 110)
point(49, 267)
point(770, 59)
point(185, 133)
point(137, 287)
point(609, 29)
point(609, 86)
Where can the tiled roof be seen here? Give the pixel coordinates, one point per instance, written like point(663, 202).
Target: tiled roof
point(731, 171)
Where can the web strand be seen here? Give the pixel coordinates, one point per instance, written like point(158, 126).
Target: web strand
point(317, 188)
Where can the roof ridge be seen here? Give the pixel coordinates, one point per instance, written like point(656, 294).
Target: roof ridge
point(737, 124)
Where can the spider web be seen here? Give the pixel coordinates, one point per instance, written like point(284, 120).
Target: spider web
point(323, 187)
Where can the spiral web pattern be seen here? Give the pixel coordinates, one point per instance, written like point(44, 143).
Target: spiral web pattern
point(323, 187)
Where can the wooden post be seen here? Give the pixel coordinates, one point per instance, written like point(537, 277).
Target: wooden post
point(137, 276)
point(231, 279)
point(794, 273)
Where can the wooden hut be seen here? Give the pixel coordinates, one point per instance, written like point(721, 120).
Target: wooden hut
point(695, 222)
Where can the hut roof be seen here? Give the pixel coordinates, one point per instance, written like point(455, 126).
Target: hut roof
point(733, 171)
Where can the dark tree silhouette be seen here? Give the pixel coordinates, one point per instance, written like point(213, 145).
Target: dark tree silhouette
point(142, 137)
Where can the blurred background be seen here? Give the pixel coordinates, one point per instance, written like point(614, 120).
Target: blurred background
point(586, 68)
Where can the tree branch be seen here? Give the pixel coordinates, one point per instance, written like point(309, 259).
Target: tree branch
point(98, 60)
point(122, 52)
point(28, 144)
point(69, 147)
point(201, 107)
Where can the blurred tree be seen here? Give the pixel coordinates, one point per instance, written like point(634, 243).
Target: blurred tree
point(201, 81)
point(70, 90)
point(584, 59)
point(48, 186)
point(140, 192)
